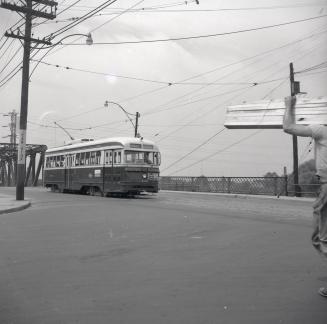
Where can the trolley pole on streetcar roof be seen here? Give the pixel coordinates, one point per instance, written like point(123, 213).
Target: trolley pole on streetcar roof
point(136, 123)
point(137, 116)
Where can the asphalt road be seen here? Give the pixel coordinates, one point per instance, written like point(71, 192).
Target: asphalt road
point(171, 258)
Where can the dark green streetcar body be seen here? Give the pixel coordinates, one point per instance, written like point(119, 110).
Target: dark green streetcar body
point(112, 166)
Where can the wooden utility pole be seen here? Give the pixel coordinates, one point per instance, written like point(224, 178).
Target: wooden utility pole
point(295, 89)
point(27, 9)
point(13, 127)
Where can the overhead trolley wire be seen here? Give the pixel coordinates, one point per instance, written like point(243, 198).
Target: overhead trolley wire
point(6, 64)
point(101, 125)
point(38, 49)
point(226, 66)
point(169, 83)
point(195, 149)
point(217, 152)
point(83, 18)
point(59, 13)
point(314, 67)
point(162, 8)
point(221, 150)
point(79, 21)
point(170, 5)
point(207, 35)
point(233, 144)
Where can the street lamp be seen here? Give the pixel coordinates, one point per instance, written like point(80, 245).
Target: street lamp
point(88, 41)
point(137, 115)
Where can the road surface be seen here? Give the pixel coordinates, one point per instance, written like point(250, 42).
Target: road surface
point(169, 258)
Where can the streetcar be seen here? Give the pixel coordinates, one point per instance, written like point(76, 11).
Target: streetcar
point(106, 167)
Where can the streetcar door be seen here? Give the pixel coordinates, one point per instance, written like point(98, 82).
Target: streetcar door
point(68, 176)
point(108, 170)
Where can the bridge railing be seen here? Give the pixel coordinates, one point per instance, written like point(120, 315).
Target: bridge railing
point(273, 186)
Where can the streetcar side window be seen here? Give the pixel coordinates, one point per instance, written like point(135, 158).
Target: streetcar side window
point(82, 159)
point(61, 161)
point(117, 157)
point(108, 157)
point(68, 161)
point(52, 161)
point(87, 158)
point(93, 158)
point(77, 158)
point(148, 157)
point(98, 157)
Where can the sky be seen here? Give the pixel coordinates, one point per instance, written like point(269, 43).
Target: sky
point(180, 65)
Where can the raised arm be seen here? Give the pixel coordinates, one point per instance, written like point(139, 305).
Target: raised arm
point(289, 125)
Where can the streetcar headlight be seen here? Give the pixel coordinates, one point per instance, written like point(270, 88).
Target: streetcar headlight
point(144, 176)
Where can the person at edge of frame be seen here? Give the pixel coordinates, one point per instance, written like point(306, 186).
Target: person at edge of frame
point(319, 134)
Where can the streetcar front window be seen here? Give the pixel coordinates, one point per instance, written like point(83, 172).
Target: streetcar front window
point(138, 157)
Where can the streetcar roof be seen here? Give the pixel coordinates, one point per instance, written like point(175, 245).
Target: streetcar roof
point(114, 142)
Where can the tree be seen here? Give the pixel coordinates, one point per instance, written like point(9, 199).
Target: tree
point(307, 177)
point(271, 174)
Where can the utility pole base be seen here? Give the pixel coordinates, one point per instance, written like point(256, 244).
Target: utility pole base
point(20, 182)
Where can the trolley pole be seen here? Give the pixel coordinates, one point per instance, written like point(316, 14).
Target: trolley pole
point(136, 123)
point(295, 89)
point(27, 9)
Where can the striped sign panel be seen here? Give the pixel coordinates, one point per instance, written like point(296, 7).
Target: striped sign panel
point(269, 113)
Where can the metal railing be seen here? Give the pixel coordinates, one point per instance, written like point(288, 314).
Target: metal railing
point(272, 186)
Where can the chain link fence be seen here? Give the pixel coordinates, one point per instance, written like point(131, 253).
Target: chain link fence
point(272, 186)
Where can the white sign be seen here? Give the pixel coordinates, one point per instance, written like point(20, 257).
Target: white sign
point(21, 147)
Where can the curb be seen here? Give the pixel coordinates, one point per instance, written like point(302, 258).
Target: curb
point(231, 195)
point(15, 209)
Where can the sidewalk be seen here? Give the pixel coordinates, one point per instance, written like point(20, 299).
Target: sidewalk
point(8, 204)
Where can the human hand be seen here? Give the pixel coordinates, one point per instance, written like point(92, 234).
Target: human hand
point(322, 198)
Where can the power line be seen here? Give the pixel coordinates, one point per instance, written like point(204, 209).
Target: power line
point(83, 18)
point(181, 127)
point(9, 60)
point(314, 67)
point(225, 66)
point(80, 114)
point(79, 21)
point(160, 9)
point(17, 68)
point(176, 4)
point(169, 83)
point(314, 73)
point(194, 150)
point(224, 149)
point(283, 81)
point(59, 13)
point(217, 152)
point(208, 35)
